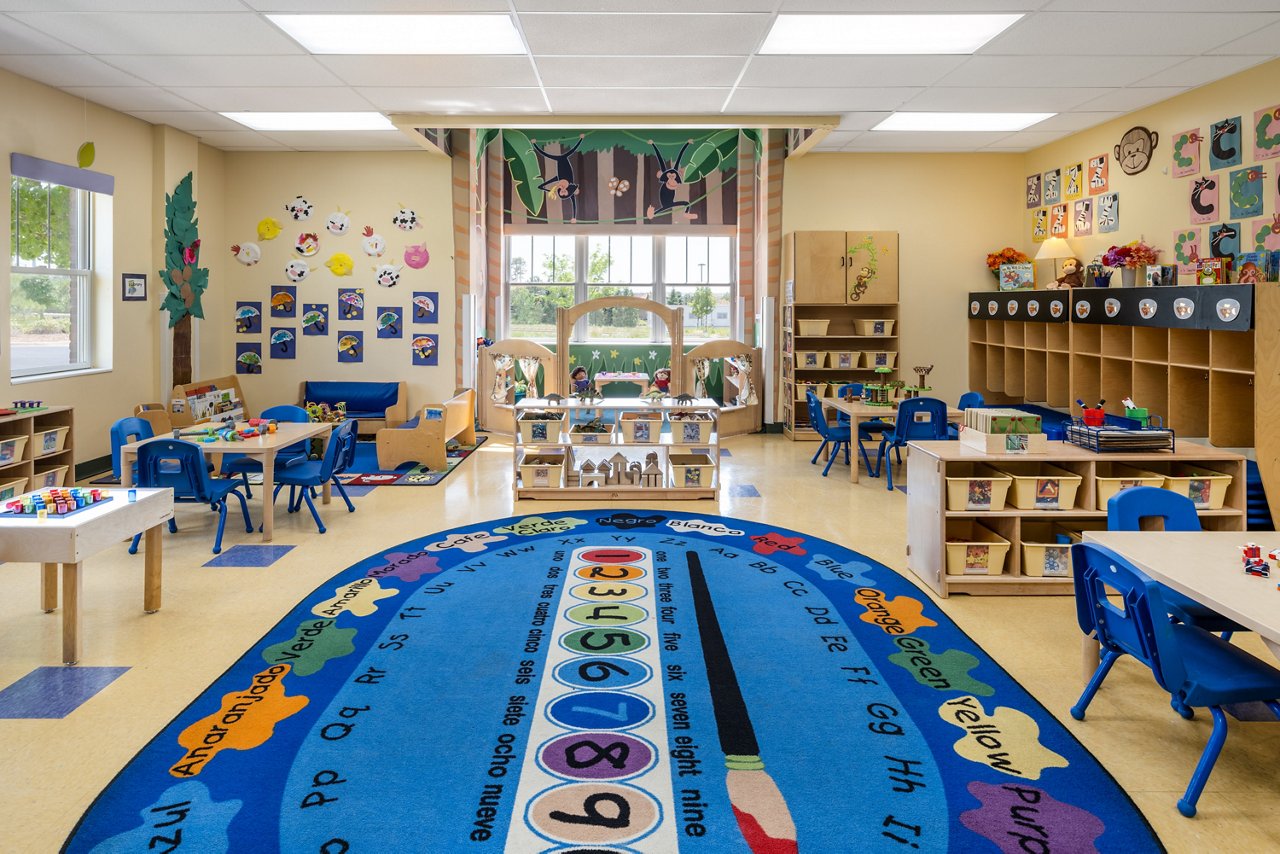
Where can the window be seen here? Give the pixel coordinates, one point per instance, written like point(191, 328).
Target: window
point(50, 268)
point(696, 272)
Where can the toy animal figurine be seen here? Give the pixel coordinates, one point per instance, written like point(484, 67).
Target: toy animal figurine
point(684, 399)
point(553, 398)
point(1072, 275)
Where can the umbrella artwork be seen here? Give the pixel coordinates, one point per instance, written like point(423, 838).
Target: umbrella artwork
point(248, 358)
point(351, 347)
point(424, 350)
point(315, 318)
point(248, 317)
point(282, 303)
point(352, 300)
point(389, 323)
point(282, 341)
point(424, 306)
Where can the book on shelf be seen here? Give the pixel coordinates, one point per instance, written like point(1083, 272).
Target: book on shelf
point(1017, 277)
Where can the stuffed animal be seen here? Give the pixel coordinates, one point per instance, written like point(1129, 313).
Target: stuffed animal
point(1071, 277)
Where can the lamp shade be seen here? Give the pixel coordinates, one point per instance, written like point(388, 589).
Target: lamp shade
point(1053, 249)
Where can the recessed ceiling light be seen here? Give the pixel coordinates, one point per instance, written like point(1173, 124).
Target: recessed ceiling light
point(841, 34)
point(403, 34)
point(961, 121)
point(312, 121)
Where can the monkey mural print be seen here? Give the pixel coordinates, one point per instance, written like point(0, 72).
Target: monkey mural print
point(561, 184)
point(669, 179)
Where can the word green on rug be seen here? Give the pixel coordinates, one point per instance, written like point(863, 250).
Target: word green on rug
point(614, 681)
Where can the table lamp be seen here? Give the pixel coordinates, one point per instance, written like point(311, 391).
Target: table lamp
point(1054, 249)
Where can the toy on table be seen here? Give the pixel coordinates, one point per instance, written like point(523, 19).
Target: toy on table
point(1072, 275)
point(922, 373)
point(23, 405)
point(56, 501)
point(578, 379)
point(1251, 556)
point(662, 380)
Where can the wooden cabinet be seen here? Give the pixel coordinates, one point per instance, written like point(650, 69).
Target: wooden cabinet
point(47, 455)
point(930, 523)
point(843, 267)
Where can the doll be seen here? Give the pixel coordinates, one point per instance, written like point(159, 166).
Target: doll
point(578, 377)
point(662, 380)
point(1072, 275)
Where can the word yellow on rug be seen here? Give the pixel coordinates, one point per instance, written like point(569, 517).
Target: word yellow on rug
point(614, 681)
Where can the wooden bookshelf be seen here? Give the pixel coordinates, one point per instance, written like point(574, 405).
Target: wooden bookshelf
point(25, 469)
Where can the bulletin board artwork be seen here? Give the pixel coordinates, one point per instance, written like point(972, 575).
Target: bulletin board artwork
point(350, 346)
point(1040, 225)
point(1074, 187)
point(1244, 191)
point(1266, 134)
point(425, 350)
point(1053, 186)
point(1108, 213)
point(1224, 144)
point(248, 317)
point(284, 342)
point(315, 318)
point(1186, 250)
point(284, 300)
point(1186, 153)
point(248, 357)
point(1033, 191)
point(1058, 221)
point(1099, 174)
point(351, 303)
point(1083, 218)
point(1265, 234)
point(426, 307)
point(1204, 199)
point(1224, 240)
point(390, 321)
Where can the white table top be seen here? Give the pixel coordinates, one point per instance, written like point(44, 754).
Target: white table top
point(286, 434)
point(70, 539)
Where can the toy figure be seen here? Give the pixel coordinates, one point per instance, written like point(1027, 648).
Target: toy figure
point(662, 380)
point(1072, 276)
point(578, 377)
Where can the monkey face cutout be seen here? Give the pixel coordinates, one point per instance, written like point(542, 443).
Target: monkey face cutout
point(671, 178)
point(1135, 148)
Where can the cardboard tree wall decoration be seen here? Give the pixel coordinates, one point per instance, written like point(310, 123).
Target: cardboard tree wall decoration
point(184, 280)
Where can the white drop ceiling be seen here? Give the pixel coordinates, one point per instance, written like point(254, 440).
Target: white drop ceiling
point(181, 62)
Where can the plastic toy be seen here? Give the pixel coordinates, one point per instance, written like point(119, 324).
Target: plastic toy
point(1251, 555)
point(578, 377)
point(662, 380)
point(58, 501)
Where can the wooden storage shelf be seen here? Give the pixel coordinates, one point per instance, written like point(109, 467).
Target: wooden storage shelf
point(1231, 351)
point(1188, 412)
point(1189, 347)
point(1150, 344)
point(1015, 370)
point(1117, 383)
point(928, 519)
point(1036, 335)
point(1231, 401)
point(1058, 379)
point(1015, 334)
point(1058, 337)
point(1035, 385)
point(28, 424)
point(1117, 341)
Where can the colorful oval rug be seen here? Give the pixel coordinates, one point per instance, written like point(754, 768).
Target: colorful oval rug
point(609, 681)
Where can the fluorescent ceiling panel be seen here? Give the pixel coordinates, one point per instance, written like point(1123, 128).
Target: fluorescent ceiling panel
point(966, 122)
point(864, 34)
point(312, 121)
point(402, 34)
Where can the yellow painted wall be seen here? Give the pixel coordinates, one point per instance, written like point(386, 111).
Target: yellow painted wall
point(371, 186)
point(949, 210)
point(1152, 203)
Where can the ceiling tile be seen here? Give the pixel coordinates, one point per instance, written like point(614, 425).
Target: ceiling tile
point(862, 121)
point(1199, 70)
point(1125, 33)
point(639, 71)
point(1075, 120)
point(1026, 140)
point(67, 70)
point(911, 6)
point(1132, 98)
point(121, 6)
point(232, 139)
point(1151, 6)
point(1261, 42)
point(320, 7)
point(627, 6)
point(664, 100)
point(227, 70)
point(1055, 70)
point(435, 71)
point(383, 140)
point(643, 35)
point(126, 99)
point(820, 100)
point(906, 141)
point(457, 100)
point(229, 99)
point(837, 140)
point(164, 34)
point(17, 37)
point(1007, 99)
point(772, 70)
point(189, 121)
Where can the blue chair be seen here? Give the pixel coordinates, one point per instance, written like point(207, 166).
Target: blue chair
point(968, 400)
point(301, 477)
point(868, 431)
point(124, 432)
point(244, 465)
point(917, 419)
point(181, 466)
point(833, 436)
point(1196, 667)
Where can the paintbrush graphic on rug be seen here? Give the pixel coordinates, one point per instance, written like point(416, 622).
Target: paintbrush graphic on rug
point(758, 805)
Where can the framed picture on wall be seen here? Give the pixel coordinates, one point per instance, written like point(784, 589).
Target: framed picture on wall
point(133, 286)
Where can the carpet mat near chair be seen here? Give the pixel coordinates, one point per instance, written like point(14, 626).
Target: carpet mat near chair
point(615, 681)
point(365, 472)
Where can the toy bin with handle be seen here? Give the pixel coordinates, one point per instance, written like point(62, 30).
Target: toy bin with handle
point(12, 488)
point(984, 489)
point(11, 448)
point(49, 441)
point(1113, 477)
point(48, 477)
point(1040, 486)
point(974, 549)
point(1205, 487)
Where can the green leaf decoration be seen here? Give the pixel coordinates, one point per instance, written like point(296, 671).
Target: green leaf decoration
point(484, 136)
point(181, 231)
point(85, 155)
point(526, 170)
point(708, 157)
point(757, 140)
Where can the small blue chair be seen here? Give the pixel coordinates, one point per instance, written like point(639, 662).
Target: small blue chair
point(968, 400)
point(244, 465)
point(125, 432)
point(301, 477)
point(1196, 667)
point(917, 419)
point(181, 466)
point(868, 431)
point(833, 436)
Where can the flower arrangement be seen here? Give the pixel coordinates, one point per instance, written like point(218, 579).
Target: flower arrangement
point(1135, 255)
point(1007, 255)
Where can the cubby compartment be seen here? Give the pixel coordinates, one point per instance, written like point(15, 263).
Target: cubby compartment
point(978, 548)
point(995, 368)
point(1231, 351)
point(995, 331)
point(1117, 341)
point(1086, 338)
point(1231, 398)
point(1189, 347)
point(1188, 401)
point(1150, 344)
point(1035, 336)
point(1151, 388)
point(1015, 334)
point(1117, 384)
point(977, 331)
point(1014, 371)
point(978, 365)
point(1058, 336)
point(1034, 386)
point(1086, 379)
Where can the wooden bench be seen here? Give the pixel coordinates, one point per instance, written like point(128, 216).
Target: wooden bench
point(425, 441)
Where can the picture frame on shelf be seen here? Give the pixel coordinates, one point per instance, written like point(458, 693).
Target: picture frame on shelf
point(133, 287)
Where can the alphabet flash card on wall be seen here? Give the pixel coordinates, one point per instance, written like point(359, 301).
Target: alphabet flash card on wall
point(1033, 191)
point(1224, 240)
point(1058, 221)
point(1265, 234)
point(1244, 190)
point(1204, 199)
point(1186, 153)
point(1083, 219)
point(1266, 133)
point(1040, 225)
point(1053, 186)
point(1108, 213)
point(1099, 170)
point(1224, 143)
point(1186, 250)
point(1075, 182)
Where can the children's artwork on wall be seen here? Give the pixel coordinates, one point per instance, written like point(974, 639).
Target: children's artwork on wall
point(350, 346)
point(248, 317)
point(284, 343)
point(1224, 240)
point(247, 254)
point(1224, 144)
point(1083, 219)
point(426, 349)
point(1099, 174)
point(1266, 133)
point(299, 209)
point(425, 306)
point(1058, 221)
point(1186, 153)
point(1204, 199)
point(307, 244)
point(387, 275)
point(1053, 186)
point(351, 303)
point(1040, 225)
point(1244, 189)
point(248, 357)
point(340, 264)
point(417, 256)
point(339, 223)
point(1186, 250)
point(406, 219)
point(297, 270)
point(1074, 187)
point(284, 301)
point(390, 321)
point(1265, 234)
point(1033, 191)
point(315, 318)
point(269, 228)
point(1108, 213)
point(1135, 149)
point(372, 243)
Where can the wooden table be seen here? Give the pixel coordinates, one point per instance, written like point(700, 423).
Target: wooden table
point(859, 411)
point(1206, 566)
point(641, 380)
point(263, 447)
point(68, 541)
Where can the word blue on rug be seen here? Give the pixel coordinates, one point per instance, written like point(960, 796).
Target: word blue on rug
point(614, 681)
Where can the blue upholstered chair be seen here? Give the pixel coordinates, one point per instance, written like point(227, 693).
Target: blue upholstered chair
point(917, 419)
point(181, 466)
point(244, 465)
point(301, 477)
point(833, 436)
point(1194, 666)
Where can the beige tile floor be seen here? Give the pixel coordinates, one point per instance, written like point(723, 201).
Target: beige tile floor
point(50, 770)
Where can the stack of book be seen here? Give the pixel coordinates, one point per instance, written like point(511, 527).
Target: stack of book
point(988, 420)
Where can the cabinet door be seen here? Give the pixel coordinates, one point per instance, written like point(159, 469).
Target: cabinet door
point(873, 267)
point(820, 263)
